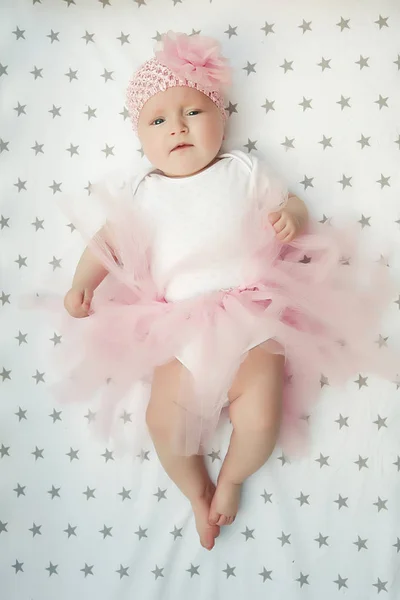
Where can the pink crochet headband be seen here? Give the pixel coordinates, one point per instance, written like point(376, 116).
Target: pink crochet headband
point(180, 60)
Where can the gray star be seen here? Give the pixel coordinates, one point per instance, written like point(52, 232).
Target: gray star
point(397, 62)
point(229, 571)
point(3, 527)
point(193, 570)
point(55, 415)
point(362, 381)
point(384, 181)
point(326, 142)
point(3, 70)
point(288, 144)
point(344, 102)
point(91, 416)
point(380, 504)
point(268, 28)
point(126, 417)
point(341, 502)
point(144, 454)
point(36, 73)
point(21, 414)
point(53, 36)
point(176, 532)
point(324, 64)
point(360, 543)
point(56, 187)
point(38, 453)
point(109, 150)
point(215, 455)
point(249, 68)
point(382, 341)
point(380, 422)
point(107, 75)
point(89, 493)
point(70, 530)
point(88, 188)
point(108, 455)
point(323, 460)
point(69, 2)
point(71, 74)
point(341, 582)
point(158, 572)
point(396, 545)
point(303, 499)
point(322, 540)
point(39, 377)
point(73, 150)
point(284, 539)
point(122, 571)
point(305, 104)
point(343, 24)
point(38, 224)
point(54, 492)
point(307, 182)
point(124, 113)
point(361, 462)
point(303, 579)
point(231, 31)
point(19, 33)
point(90, 113)
point(268, 105)
point(55, 111)
point(364, 141)
point(20, 490)
point(380, 585)
point(397, 463)
point(20, 185)
point(72, 454)
point(250, 145)
point(382, 101)
point(5, 374)
point(125, 494)
point(248, 533)
point(364, 221)
point(305, 26)
point(231, 108)
point(123, 38)
point(4, 222)
point(52, 569)
point(363, 62)
point(87, 570)
point(160, 494)
point(88, 37)
point(265, 574)
point(287, 66)
point(20, 108)
point(267, 497)
point(21, 261)
point(18, 566)
point(141, 533)
point(4, 146)
point(382, 22)
point(71, 226)
point(21, 337)
point(283, 459)
point(35, 530)
point(4, 451)
point(106, 531)
point(56, 339)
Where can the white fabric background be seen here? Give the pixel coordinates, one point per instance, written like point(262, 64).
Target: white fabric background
point(316, 91)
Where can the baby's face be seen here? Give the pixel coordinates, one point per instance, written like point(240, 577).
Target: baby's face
point(180, 115)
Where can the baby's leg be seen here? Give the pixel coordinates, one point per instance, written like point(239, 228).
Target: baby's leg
point(255, 411)
point(189, 473)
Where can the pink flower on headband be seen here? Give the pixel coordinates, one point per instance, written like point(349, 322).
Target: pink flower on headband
point(195, 58)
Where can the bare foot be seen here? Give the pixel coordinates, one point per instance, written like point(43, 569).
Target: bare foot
point(201, 508)
point(225, 503)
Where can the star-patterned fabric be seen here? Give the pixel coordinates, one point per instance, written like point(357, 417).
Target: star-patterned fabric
point(316, 91)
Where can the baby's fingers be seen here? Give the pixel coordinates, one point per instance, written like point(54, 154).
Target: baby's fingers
point(87, 299)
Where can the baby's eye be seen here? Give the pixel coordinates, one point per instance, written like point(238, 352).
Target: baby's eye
point(194, 111)
point(155, 121)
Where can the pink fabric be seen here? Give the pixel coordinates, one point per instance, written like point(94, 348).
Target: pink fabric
point(180, 60)
point(317, 300)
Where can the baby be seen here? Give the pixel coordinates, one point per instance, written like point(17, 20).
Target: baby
point(216, 332)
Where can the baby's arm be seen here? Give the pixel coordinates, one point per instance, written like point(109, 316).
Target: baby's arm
point(89, 273)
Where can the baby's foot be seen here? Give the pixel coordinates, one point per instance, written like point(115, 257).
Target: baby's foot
point(225, 503)
point(201, 508)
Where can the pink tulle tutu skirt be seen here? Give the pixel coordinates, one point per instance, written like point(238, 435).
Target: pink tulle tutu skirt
point(316, 301)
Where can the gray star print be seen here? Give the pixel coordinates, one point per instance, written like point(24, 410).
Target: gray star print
point(303, 580)
point(20, 109)
point(158, 572)
point(305, 26)
point(267, 497)
point(54, 492)
point(322, 540)
point(380, 504)
point(56, 339)
point(5, 374)
point(361, 544)
point(323, 460)
point(123, 571)
point(215, 455)
point(87, 570)
point(38, 224)
point(56, 187)
point(71, 75)
point(4, 451)
point(342, 421)
point(343, 24)
point(125, 494)
point(141, 533)
point(18, 566)
point(89, 493)
point(20, 185)
point(230, 571)
point(231, 31)
point(106, 531)
point(39, 377)
point(341, 582)
point(3, 527)
point(363, 62)
point(123, 38)
point(35, 530)
point(108, 455)
point(344, 102)
point(53, 36)
point(4, 222)
point(160, 494)
point(52, 569)
point(268, 28)
point(249, 68)
point(265, 574)
point(176, 532)
point(70, 530)
point(72, 454)
point(21, 337)
point(20, 490)
point(21, 414)
point(303, 499)
point(341, 502)
point(107, 75)
point(90, 113)
point(193, 570)
point(380, 585)
point(285, 539)
point(108, 150)
point(361, 462)
point(19, 33)
point(88, 37)
point(55, 111)
point(37, 72)
point(38, 453)
point(91, 416)
point(248, 533)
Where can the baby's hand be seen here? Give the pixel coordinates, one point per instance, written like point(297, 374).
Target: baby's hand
point(286, 225)
point(77, 302)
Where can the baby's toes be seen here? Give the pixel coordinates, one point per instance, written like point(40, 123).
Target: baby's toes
point(223, 520)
